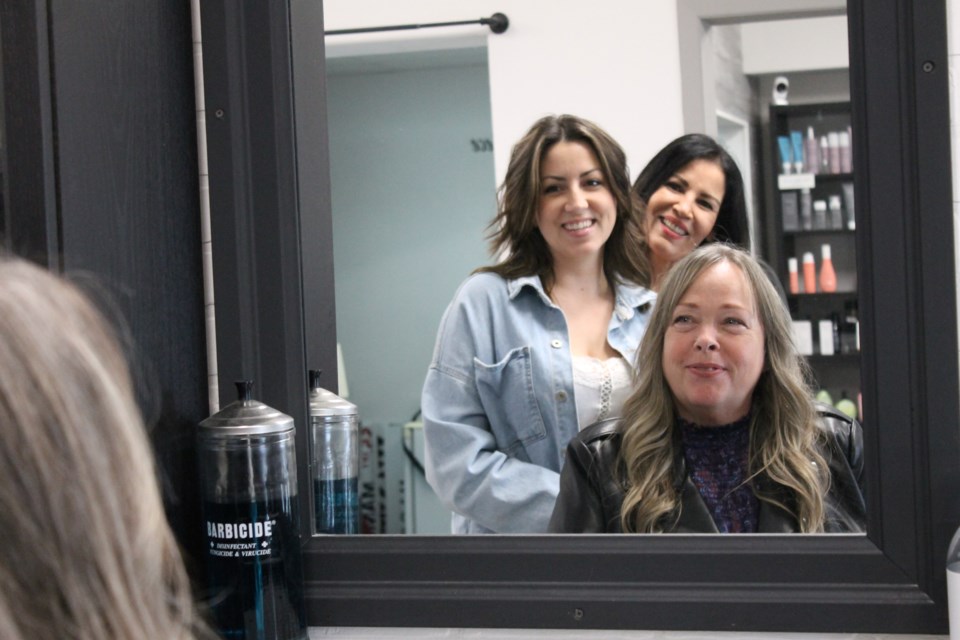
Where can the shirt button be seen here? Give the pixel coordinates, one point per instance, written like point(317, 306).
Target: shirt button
point(556, 344)
point(561, 396)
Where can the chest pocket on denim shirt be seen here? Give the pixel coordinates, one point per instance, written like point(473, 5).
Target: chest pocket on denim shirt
point(507, 393)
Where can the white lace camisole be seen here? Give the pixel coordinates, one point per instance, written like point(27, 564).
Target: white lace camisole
point(601, 388)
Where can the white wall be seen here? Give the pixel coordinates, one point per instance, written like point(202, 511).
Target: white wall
point(816, 43)
point(411, 200)
point(612, 62)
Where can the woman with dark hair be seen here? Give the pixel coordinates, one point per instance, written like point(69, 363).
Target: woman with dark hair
point(536, 347)
point(691, 193)
point(722, 433)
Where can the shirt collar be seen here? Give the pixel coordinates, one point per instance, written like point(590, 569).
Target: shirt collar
point(629, 297)
point(515, 286)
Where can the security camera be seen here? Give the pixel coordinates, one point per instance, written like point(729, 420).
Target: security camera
point(780, 86)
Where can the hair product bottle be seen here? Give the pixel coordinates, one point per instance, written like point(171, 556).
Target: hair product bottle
point(806, 210)
point(828, 277)
point(820, 215)
point(846, 153)
point(836, 212)
point(846, 405)
point(794, 276)
point(809, 273)
point(833, 140)
point(811, 148)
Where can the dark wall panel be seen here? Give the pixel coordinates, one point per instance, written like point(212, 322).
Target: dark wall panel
point(124, 154)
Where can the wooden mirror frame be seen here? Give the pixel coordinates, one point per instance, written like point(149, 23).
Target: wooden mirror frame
point(269, 192)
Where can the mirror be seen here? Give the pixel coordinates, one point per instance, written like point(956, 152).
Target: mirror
point(415, 161)
point(890, 581)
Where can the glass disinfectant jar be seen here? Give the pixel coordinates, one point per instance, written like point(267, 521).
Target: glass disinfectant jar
point(248, 472)
point(335, 460)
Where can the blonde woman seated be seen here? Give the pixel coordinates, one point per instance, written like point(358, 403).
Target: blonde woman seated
point(725, 435)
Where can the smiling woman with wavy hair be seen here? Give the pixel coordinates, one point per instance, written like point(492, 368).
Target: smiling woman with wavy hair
point(723, 435)
point(540, 344)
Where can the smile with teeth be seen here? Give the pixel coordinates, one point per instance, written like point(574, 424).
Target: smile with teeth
point(577, 226)
point(677, 229)
point(706, 368)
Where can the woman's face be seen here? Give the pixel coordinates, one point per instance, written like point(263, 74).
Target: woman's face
point(577, 210)
point(681, 213)
point(713, 350)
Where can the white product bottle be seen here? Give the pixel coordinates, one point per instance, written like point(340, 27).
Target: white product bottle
point(846, 153)
point(836, 213)
point(812, 152)
point(820, 215)
point(833, 139)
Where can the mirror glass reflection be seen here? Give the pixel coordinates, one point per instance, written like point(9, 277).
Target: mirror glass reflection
point(414, 174)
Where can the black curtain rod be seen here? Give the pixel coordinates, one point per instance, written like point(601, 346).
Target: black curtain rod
point(498, 23)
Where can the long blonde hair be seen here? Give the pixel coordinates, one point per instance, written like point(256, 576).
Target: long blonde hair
point(87, 552)
point(783, 427)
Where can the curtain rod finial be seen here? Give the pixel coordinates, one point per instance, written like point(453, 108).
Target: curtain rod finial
point(498, 22)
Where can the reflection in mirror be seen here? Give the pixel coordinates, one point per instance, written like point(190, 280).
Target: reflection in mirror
point(413, 189)
point(414, 172)
point(723, 438)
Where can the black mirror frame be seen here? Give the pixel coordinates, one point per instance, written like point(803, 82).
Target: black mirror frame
point(269, 190)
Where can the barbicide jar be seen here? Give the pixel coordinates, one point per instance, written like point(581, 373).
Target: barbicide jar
point(248, 472)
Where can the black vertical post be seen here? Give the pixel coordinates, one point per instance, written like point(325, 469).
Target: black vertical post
point(269, 202)
point(101, 152)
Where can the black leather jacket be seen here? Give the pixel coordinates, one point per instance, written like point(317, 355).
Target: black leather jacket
point(591, 494)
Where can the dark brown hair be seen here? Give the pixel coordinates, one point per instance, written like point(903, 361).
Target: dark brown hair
point(731, 225)
point(514, 230)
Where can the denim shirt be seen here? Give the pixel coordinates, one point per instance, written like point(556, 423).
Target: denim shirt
point(498, 403)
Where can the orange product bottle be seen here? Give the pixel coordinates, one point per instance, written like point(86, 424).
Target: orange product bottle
point(794, 277)
point(828, 277)
point(809, 273)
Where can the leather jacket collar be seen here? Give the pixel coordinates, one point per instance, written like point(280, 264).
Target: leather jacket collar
point(591, 494)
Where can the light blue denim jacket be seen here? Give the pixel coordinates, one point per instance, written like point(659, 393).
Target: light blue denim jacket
point(498, 403)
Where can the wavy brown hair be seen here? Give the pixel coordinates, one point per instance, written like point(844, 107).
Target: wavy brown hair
point(514, 229)
point(783, 426)
point(87, 551)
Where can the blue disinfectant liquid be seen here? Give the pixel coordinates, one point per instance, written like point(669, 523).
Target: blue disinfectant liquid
point(255, 577)
point(336, 505)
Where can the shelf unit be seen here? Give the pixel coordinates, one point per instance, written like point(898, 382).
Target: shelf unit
point(791, 234)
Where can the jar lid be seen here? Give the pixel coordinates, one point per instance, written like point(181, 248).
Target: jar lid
point(246, 416)
point(327, 403)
